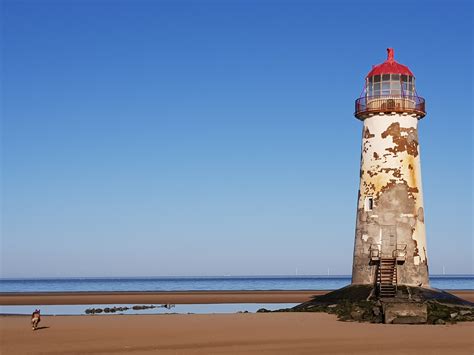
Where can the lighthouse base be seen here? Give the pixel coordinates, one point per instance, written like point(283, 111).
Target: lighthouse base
point(411, 305)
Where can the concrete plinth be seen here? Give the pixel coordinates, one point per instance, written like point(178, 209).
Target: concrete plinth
point(404, 312)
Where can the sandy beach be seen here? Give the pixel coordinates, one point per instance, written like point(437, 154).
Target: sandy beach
point(246, 333)
point(275, 333)
point(185, 297)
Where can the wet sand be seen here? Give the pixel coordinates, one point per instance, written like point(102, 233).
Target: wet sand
point(185, 297)
point(261, 333)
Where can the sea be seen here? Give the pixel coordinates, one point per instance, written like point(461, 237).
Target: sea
point(214, 283)
point(221, 283)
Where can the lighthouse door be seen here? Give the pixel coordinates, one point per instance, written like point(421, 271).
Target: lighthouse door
point(389, 240)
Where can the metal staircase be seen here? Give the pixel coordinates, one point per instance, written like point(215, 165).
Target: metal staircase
point(387, 277)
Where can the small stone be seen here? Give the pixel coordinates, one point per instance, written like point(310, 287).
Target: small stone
point(440, 321)
point(464, 313)
point(453, 315)
point(376, 311)
point(356, 315)
point(332, 306)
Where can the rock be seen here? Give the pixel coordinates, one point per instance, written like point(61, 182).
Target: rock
point(263, 310)
point(376, 311)
point(440, 321)
point(106, 309)
point(465, 313)
point(332, 306)
point(98, 310)
point(453, 315)
point(357, 313)
point(138, 307)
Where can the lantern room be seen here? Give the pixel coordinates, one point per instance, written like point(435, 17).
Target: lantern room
point(389, 88)
point(390, 84)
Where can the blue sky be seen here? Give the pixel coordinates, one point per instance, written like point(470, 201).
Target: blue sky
point(147, 138)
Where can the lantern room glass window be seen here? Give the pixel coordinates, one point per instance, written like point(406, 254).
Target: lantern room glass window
point(390, 85)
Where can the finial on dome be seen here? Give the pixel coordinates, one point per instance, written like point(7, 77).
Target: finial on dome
point(390, 54)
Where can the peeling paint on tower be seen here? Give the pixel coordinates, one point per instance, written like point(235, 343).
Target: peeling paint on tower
point(390, 212)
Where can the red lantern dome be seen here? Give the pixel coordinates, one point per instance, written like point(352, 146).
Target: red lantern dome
point(390, 66)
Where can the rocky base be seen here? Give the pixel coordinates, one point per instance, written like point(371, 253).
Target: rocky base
point(411, 305)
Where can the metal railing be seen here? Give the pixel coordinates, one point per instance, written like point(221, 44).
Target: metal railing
point(400, 253)
point(374, 251)
point(370, 105)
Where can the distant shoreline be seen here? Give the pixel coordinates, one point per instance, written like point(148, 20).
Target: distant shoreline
point(170, 297)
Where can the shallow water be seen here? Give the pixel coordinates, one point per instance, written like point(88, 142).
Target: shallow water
point(57, 310)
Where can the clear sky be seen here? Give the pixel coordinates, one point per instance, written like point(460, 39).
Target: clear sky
point(149, 138)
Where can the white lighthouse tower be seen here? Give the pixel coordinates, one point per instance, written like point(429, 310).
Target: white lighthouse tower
point(390, 241)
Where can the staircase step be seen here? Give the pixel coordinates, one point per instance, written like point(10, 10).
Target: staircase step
point(387, 277)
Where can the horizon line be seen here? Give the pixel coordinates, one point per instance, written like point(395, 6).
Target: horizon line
point(203, 277)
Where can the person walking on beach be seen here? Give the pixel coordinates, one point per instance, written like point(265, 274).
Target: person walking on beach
point(35, 319)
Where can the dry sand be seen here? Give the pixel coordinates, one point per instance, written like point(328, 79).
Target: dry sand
point(247, 333)
point(185, 297)
point(261, 333)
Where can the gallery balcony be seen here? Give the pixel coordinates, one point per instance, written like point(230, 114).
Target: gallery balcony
point(368, 106)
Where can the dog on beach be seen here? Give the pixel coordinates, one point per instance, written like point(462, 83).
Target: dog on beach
point(35, 319)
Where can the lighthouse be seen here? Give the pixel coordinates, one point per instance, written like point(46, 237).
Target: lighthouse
point(390, 240)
